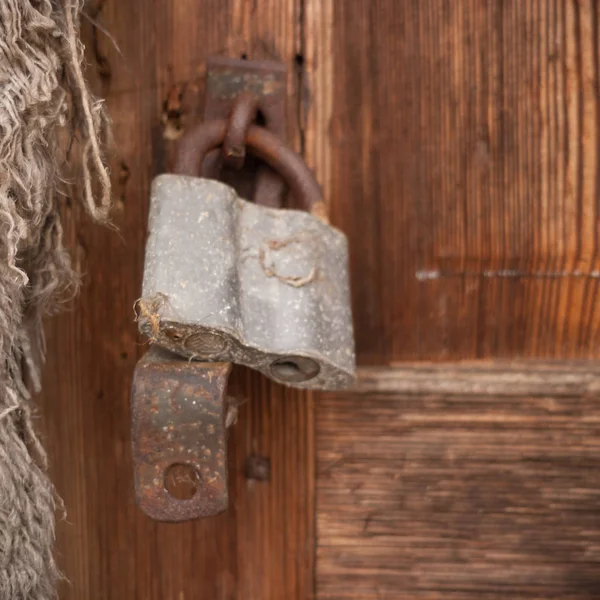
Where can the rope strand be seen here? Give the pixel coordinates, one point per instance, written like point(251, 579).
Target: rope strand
point(42, 88)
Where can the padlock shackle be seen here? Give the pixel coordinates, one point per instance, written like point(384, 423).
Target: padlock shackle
point(196, 143)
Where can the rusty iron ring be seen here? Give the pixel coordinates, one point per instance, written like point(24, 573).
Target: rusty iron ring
point(194, 145)
point(243, 114)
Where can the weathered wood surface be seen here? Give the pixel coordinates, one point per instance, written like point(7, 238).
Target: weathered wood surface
point(457, 143)
point(263, 547)
point(465, 171)
point(510, 378)
point(457, 494)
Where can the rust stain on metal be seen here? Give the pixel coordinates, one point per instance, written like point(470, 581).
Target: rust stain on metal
point(178, 418)
point(226, 84)
point(227, 77)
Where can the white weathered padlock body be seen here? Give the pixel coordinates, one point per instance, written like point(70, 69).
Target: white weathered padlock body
point(229, 280)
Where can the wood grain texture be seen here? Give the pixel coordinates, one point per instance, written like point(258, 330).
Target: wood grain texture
point(457, 144)
point(263, 547)
point(318, 78)
point(505, 378)
point(458, 494)
point(465, 170)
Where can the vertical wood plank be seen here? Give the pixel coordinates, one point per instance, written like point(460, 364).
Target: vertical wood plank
point(262, 547)
point(465, 154)
point(317, 100)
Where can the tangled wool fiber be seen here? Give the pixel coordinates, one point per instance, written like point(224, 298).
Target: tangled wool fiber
point(42, 89)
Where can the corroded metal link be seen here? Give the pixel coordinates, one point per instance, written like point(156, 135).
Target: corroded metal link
point(242, 116)
point(194, 145)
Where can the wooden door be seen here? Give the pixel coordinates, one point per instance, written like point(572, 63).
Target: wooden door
point(457, 145)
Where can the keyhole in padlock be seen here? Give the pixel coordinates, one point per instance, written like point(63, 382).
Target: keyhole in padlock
point(294, 369)
point(182, 481)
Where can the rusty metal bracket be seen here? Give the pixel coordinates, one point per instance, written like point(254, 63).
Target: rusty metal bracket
point(226, 80)
point(179, 436)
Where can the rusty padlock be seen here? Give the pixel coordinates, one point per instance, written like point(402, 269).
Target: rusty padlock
point(227, 280)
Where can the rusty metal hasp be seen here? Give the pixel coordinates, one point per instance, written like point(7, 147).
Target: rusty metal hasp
point(179, 438)
point(230, 280)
